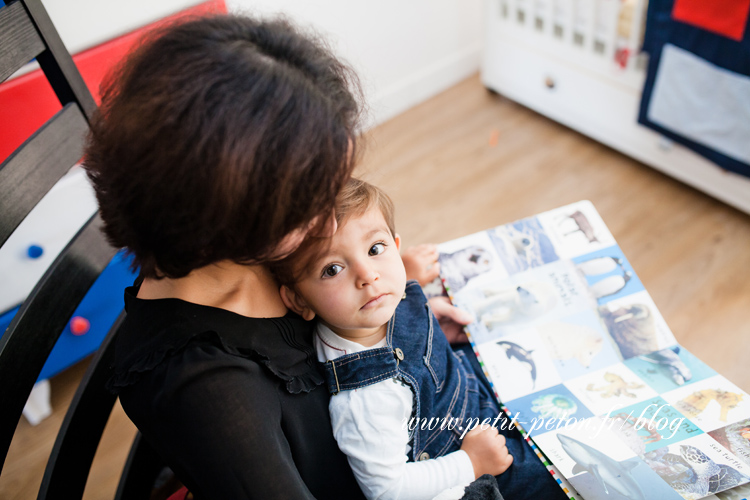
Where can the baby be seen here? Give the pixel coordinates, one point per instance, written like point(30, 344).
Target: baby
point(387, 363)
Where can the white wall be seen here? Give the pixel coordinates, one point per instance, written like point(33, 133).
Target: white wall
point(405, 51)
point(83, 24)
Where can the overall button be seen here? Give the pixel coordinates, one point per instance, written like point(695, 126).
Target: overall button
point(399, 354)
point(423, 456)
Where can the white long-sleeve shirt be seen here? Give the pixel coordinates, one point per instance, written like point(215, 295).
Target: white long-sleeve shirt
point(368, 425)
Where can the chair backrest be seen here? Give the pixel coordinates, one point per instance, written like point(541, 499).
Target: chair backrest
point(26, 32)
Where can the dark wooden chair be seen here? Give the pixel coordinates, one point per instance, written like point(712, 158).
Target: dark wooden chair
point(26, 32)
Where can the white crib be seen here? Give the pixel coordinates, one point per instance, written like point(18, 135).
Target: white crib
point(578, 62)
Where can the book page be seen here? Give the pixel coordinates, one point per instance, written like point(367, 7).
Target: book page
point(578, 353)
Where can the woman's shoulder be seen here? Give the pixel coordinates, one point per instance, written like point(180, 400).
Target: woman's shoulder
point(155, 331)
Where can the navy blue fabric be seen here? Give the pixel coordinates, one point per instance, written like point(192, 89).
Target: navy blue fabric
point(446, 382)
point(349, 372)
point(716, 49)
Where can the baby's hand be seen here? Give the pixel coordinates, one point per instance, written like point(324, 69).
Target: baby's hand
point(452, 319)
point(421, 263)
point(487, 451)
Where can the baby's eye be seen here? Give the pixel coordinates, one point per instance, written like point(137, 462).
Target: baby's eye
point(376, 249)
point(332, 270)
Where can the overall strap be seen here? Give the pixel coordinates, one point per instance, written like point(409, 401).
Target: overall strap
point(360, 369)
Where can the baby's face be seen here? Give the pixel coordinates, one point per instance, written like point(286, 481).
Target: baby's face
point(355, 287)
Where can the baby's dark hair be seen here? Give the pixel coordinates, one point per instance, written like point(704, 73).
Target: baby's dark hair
point(354, 200)
point(217, 137)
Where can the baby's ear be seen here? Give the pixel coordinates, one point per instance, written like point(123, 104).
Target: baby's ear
point(397, 239)
point(294, 302)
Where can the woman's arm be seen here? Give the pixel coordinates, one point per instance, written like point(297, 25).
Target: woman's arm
point(216, 420)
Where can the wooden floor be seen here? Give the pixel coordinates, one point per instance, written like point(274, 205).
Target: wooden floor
point(468, 160)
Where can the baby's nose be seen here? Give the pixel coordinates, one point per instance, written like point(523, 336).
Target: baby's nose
point(367, 276)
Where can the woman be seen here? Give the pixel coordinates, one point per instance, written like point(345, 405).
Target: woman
point(220, 144)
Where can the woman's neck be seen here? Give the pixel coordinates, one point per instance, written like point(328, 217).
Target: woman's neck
point(249, 290)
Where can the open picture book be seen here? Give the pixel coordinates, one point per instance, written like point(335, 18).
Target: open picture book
point(582, 360)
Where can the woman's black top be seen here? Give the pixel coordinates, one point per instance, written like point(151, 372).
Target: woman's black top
point(235, 405)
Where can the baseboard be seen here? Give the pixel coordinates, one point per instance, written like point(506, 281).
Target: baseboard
point(423, 84)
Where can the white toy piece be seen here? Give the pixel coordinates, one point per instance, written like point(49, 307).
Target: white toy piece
point(38, 405)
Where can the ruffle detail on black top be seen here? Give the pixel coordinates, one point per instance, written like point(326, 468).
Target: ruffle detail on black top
point(128, 373)
point(300, 369)
point(155, 330)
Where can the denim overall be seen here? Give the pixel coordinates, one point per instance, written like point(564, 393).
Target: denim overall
point(417, 352)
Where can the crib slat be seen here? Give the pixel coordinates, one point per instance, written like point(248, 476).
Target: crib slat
point(521, 12)
point(590, 6)
point(636, 34)
point(542, 16)
point(561, 21)
point(612, 16)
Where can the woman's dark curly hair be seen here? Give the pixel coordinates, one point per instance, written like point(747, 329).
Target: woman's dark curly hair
point(217, 137)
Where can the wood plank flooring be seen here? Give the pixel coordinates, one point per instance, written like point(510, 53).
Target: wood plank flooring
point(691, 252)
point(468, 160)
